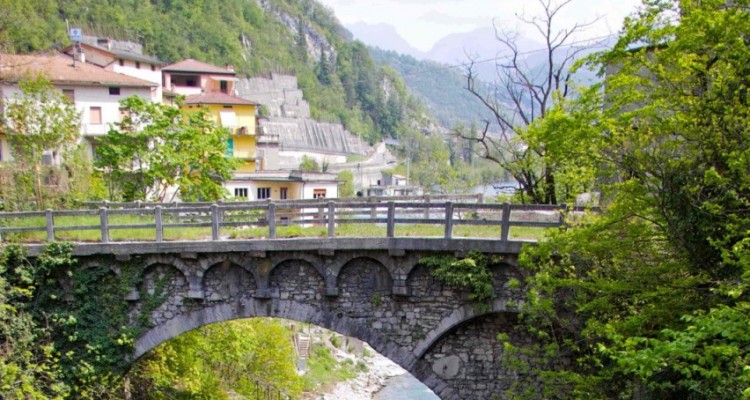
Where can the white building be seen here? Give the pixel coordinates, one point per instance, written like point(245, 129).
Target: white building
point(95, 91)
point(283, 185)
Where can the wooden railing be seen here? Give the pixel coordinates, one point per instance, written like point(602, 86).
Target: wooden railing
point(215, 219)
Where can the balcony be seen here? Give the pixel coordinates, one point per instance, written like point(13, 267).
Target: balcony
point(95, 129)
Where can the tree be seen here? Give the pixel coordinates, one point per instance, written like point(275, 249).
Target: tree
point(309, 164)
point(346, 185)
point(521, 96)
point(40, 121)
point(219, 359)
point(158, 147)
point(650, 299)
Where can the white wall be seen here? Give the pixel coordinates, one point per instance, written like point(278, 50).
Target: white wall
point(332, 189)
point(144, 72)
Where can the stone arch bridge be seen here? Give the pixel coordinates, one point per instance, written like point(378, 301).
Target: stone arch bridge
point(373, 289)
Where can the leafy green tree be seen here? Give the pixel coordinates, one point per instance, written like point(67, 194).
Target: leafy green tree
point(39, 121)
point(220, 359)
point(309, 164)
point(346, 187)
point(649, 299)
point(157, 147)
point(28, 367)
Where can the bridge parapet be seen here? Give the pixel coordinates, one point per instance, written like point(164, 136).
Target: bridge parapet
point(216, 222)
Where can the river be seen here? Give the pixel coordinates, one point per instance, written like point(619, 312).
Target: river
point(404, 387)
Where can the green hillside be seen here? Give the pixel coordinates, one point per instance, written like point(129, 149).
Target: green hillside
point(339, 77)
point(440, 87)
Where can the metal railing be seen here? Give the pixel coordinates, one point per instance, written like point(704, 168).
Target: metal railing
point(271, 215)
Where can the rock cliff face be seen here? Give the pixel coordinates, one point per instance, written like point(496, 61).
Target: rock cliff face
point(289, 119)
point(315, 42)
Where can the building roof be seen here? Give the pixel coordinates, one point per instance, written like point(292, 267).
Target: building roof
point(190, 65)
point(118, 53)
point(60, 69)
point(217, 98)
point(286, 176)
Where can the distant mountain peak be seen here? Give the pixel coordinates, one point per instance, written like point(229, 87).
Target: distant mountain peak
point(383, 36)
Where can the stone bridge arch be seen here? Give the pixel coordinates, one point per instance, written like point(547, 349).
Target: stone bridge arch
point(427, 327)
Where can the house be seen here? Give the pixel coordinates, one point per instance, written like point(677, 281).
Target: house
point(283, 185)
point(122, 57)
point(192, 77)
point(235, 114)
point(95, 91)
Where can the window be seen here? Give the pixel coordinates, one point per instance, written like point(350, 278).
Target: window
point(138, 65)
point(264, 193)
point(319, 193)
point(230, 147)
point(95, 115)
point(70, 94)
point(240, 192)
point(121, 62)
point(114, 91)
point(153, 67)
point(223, 86)
point(283, 192)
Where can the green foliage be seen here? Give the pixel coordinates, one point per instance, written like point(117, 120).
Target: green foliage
point(218, 361)
point(309, 164)
point(39, 120)
point(440, 88)
point(471, 272)
point(157, 147)
point(649, 299)
point(28, 364)
point(346, 185)
point(323, 369)
point(254, 37)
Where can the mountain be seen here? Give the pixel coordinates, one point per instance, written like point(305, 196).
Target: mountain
point(440, 87)
point(480, 45)
point(383, 36)
point(340, 80)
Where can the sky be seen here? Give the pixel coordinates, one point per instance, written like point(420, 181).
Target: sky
point(424, 22)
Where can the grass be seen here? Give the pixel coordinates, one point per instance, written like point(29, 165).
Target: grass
point(250, 232)
point(324, 370)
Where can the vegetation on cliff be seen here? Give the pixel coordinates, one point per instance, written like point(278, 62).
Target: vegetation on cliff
point(340, 80)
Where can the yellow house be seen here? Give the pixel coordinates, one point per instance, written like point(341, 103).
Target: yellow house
point(235, 114)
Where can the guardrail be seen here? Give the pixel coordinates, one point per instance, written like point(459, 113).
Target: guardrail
point(468, 198)
point(104, 222)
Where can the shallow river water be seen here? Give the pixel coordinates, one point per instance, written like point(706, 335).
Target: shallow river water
point(404, 387)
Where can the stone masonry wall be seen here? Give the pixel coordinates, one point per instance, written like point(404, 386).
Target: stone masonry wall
point(389, 301)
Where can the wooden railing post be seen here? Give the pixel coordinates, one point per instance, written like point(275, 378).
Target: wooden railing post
point(427, 207)
point(50, 225)
point(505, 223)
point(215, 222)
point(271, 219)
point(374, 209)
point(563, 211)
point(159, 224)
point(321, 215)
point(448, 220)
point(391, 225)
point(331, 219)
point(104, 224)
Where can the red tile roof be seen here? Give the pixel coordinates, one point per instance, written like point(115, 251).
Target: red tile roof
point(59, 69)
point(190, 65)
point(217, 98)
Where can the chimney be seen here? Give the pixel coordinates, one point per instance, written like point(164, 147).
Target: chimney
point(230, 67)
